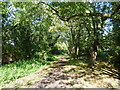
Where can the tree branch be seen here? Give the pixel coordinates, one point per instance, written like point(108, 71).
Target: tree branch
point(117, 9)
point(80, 14)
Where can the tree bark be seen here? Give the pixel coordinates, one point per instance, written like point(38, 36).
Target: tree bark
point(94, 51)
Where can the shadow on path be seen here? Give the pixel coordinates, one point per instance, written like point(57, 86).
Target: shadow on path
point(66, 73)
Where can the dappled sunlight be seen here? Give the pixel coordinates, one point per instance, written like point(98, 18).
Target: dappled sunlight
point(74, 44)
point(71, 75)
point(64, 74)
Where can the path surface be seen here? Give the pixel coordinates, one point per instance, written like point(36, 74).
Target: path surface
point(61, 74)
point(57, 78)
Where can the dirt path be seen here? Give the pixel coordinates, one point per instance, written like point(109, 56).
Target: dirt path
point(66, 75)
point(63, 73)
point(56, 78)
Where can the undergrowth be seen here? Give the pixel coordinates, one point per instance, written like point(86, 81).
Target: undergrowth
point(10, 72)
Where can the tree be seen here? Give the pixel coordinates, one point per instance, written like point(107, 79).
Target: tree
point(24, 32)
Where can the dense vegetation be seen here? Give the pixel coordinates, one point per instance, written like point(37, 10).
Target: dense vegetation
point(37, 30)
point(20, 69)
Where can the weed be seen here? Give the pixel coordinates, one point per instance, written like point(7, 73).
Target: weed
point(10, 72)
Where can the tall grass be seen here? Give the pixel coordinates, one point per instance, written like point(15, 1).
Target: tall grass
point(10, 72)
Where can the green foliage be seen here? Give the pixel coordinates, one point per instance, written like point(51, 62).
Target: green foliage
point(59, 48)
point(62, 47)
point(103, 56)
point(10, 72)
point(78, 62)
point(55, 50)
point(66, 8)
point(115, 58)
point(24, 33)
point(116, 44)
point(51, 57)
point(34, 29)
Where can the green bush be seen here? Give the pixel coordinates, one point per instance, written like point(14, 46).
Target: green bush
point(55, 51)
point(103, 56)
point(116, 58)
point(51, 57)
point(20, 69)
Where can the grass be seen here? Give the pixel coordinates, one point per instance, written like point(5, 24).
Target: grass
point(51, 57)
point(84, 77)
point(10, 72)
point(78, 62)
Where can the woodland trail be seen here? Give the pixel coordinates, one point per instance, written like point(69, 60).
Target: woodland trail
point(63, 73)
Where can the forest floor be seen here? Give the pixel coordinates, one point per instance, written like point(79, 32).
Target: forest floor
point(66, 73)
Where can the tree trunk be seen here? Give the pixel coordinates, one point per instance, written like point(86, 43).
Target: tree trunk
point(93, 51)
point(93, 54)
point(93, 58)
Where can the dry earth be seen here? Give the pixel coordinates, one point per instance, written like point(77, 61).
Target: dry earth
point(61, 74)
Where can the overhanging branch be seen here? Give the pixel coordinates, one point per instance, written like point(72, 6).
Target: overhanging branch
point(80, 14)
